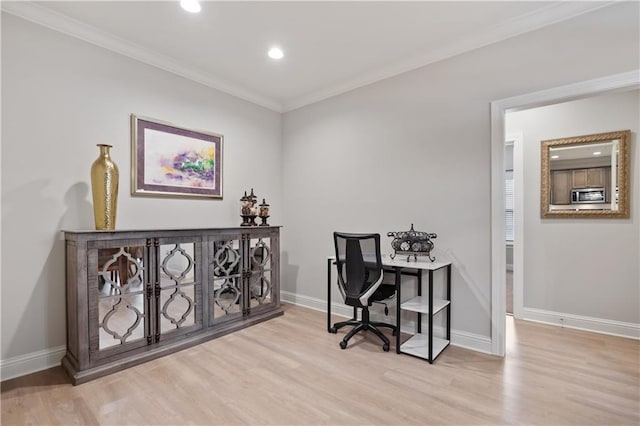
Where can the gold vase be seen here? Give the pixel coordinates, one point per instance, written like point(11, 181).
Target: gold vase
point(104, 185)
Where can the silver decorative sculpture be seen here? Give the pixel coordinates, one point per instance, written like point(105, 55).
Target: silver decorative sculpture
point(412, 243)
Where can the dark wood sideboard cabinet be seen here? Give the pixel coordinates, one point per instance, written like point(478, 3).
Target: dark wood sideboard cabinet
point(133, 296)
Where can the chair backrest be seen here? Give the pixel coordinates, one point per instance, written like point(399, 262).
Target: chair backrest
point(359, 265)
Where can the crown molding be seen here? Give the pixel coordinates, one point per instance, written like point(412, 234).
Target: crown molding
point(628, 80)
point(72, 27)
point(540, 18)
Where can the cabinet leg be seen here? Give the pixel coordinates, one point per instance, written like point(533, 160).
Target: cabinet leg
point(398, 302)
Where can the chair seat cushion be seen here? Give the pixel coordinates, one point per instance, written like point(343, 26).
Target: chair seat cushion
point(385, 291)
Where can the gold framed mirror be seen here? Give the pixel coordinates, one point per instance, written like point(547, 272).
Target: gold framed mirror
point(586, 176)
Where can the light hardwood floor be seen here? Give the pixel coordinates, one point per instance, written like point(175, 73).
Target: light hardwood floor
point(290, 371)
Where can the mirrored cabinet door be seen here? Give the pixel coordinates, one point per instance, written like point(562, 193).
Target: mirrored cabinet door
point(119, 310)
point(226, 292)
point(177, 299)
point(260, 261)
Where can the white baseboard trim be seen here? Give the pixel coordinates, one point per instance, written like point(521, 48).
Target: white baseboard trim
point(471, 341)
point(461, 339)
point(316, 304)
point(596, 325)
point(31, 362)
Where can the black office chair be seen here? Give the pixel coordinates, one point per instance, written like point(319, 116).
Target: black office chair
point(360, 276)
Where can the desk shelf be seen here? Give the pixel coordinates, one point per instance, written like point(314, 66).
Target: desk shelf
point(418, 345)
point(424, 344)
point(421, 304)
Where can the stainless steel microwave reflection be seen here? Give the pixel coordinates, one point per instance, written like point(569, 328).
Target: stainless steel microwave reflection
point(586, 176)
point(588, 195)
point(412, 243)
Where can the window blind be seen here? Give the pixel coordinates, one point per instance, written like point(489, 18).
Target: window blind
point(508, 217)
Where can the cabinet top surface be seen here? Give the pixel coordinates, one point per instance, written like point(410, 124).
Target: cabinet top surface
point(152, 230)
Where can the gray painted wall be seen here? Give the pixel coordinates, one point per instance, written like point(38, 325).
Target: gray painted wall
point(62, 96)
point(416, 149)
point(586, 267)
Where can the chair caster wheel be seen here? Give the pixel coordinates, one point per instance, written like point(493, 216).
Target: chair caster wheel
point(333, 330)
point(343, 345)
point(385, 347)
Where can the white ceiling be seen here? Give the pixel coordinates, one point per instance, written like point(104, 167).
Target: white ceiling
point(330, 47)
point(582, 151)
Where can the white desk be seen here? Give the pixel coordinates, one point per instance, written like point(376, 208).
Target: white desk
point(424, 346)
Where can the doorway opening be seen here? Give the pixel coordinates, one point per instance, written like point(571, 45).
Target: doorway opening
point(499, 110)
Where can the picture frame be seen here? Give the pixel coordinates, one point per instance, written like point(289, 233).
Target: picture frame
point(172, 161)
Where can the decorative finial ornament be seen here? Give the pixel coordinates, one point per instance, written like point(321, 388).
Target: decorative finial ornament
point(249, 209)
point(264, 213)
point(245, 209)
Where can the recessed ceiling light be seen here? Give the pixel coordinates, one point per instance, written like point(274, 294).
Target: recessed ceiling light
point(597, 153)
point(192, 6)
point(555, 157)
point(275, 53)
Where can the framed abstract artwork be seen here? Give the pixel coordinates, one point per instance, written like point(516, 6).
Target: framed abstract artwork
point(171, 161)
